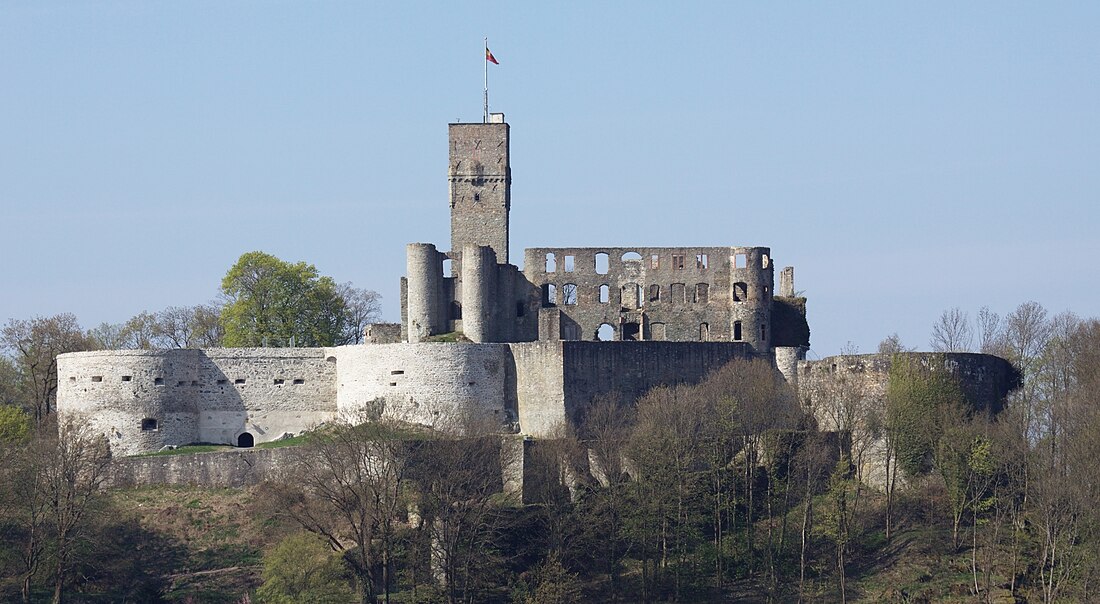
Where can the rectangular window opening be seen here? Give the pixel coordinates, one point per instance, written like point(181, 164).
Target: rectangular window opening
point(702, 293)
point(679, 294)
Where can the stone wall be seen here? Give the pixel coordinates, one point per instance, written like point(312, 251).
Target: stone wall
point(643, 293)
point(434, 384)
point(540, 388)
point(829, 388)
point(144, 400)
point(591, 369)
point(223, 469)
point(479, 179)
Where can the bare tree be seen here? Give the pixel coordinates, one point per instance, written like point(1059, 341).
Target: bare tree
point(207, 330)
point(361, 306)
point(990, 336)
point(73, 477)
point(892, 344)
point(106, 336)
point(34, 345)
point(811, 465)
point(604, 432)
point(346, 486)
point(952, 332)
point(463, 505)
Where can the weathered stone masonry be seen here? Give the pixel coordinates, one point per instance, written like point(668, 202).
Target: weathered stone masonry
point(530, 362)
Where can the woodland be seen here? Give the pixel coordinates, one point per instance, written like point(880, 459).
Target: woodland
point(725, 490)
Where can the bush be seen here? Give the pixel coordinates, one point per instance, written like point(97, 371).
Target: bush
point(304, 569)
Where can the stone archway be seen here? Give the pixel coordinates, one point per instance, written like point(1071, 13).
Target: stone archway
point(245, 440)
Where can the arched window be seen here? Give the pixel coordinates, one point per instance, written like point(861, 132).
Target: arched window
point(702, 291)
point(678, 293)
point(569, 294)
point(602, 263)
point(740, 291)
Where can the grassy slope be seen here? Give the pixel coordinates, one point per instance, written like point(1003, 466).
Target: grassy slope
point(219, 534)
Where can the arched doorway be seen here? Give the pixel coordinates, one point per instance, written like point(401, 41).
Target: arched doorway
point(245, 440)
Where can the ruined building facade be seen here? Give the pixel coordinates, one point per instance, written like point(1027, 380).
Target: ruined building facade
point(681, 294)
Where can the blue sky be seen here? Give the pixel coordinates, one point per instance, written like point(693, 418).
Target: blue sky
point(904, 158)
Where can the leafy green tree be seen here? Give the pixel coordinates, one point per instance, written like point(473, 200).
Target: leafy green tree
point(303, 568)
point(276, 303)
point(916, 397)
point(14, 425)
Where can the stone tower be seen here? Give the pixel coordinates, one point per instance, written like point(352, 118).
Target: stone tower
point(480, 182)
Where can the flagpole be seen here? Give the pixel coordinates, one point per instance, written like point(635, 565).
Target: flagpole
point(485, 60)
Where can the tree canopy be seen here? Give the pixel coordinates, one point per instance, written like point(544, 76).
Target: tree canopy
point(270, 302)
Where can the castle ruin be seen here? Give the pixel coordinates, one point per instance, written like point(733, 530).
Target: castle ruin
point(534, 346)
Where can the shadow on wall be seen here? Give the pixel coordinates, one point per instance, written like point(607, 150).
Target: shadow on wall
point(222, 401)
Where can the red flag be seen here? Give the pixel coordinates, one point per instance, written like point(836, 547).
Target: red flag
point(489, 57)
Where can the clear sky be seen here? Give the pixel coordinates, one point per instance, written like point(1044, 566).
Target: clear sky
point(904, 157)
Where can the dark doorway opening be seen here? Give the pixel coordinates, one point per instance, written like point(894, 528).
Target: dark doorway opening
point(245, 440)
point(630, 331)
